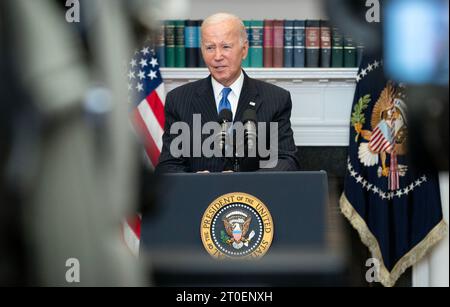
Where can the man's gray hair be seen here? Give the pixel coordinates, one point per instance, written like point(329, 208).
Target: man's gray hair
point(221, 17)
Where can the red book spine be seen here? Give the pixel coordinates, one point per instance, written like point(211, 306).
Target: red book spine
point(268, 43)
point(278, 43)
point(313, 37)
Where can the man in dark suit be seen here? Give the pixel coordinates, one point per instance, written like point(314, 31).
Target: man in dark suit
point(224, 46)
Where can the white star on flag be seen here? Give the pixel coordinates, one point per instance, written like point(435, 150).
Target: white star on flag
point(154, 62)
point(145, 51)
point(143, 63)
point(141, 75)
point(152, 75)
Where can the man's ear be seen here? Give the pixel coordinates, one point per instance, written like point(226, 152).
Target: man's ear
point(245, 50)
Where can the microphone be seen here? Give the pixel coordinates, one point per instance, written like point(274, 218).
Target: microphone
point(225, 119)
point(250, 134)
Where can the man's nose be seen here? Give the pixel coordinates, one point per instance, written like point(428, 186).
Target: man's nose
point(218, 56)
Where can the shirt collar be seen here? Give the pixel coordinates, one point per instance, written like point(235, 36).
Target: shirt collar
point(236, 87)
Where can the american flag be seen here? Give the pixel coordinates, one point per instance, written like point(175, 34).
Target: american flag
point(382, 139)
point(147, 99)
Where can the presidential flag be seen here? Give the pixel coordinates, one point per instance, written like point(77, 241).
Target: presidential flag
point(146, 99)
point(396, 210)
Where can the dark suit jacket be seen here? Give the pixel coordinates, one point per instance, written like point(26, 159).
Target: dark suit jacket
point(273, 104)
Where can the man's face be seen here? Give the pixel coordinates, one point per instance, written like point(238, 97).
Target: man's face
point(223, 51)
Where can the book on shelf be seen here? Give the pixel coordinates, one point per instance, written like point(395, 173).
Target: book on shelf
point(325, 44)
point(312, 30)
point(278, 44)
point(180, 46)
point(337, 51)
point(349, 52)
point(299, 43)
point(201, 61)
point(170, 43)
point(288, 57)
point(191, 43)
point(256, 43)
point(268, 43)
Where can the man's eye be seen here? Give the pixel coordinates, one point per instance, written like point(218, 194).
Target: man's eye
point(226, 47)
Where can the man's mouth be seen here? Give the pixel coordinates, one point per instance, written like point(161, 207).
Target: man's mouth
point(220, 68)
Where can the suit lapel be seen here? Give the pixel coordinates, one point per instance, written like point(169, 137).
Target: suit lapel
point(206, 103)
point(249, 94)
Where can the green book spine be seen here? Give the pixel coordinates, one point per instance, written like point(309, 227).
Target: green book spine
point(256, 43)
point(180, 47)
point(337, 51)
point(170, 43)
point(349, 52)
point(246, 61)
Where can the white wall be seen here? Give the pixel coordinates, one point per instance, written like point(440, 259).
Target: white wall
point(257, 9)
point(433, 270)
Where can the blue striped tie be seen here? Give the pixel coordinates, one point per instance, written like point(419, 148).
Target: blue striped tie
point(225, 103)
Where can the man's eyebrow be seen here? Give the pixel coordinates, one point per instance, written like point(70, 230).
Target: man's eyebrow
point(214, 44)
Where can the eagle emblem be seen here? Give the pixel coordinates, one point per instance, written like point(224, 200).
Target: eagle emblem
point(237, 225)
point(388, 137)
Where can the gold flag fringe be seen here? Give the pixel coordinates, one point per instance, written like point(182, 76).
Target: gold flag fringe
point(388, 279)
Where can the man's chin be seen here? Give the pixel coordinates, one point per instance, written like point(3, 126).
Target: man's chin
point(221, 78)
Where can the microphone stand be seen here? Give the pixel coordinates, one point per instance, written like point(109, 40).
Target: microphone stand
point(236, 165)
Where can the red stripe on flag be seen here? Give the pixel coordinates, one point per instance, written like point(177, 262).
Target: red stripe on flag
point(150, 145)
point(376, 146)
point(135, 225)
point(157, 107)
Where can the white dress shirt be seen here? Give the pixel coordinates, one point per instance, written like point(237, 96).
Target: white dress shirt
point(234, 95)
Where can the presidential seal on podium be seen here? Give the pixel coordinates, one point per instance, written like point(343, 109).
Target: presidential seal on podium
point(238, 226)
